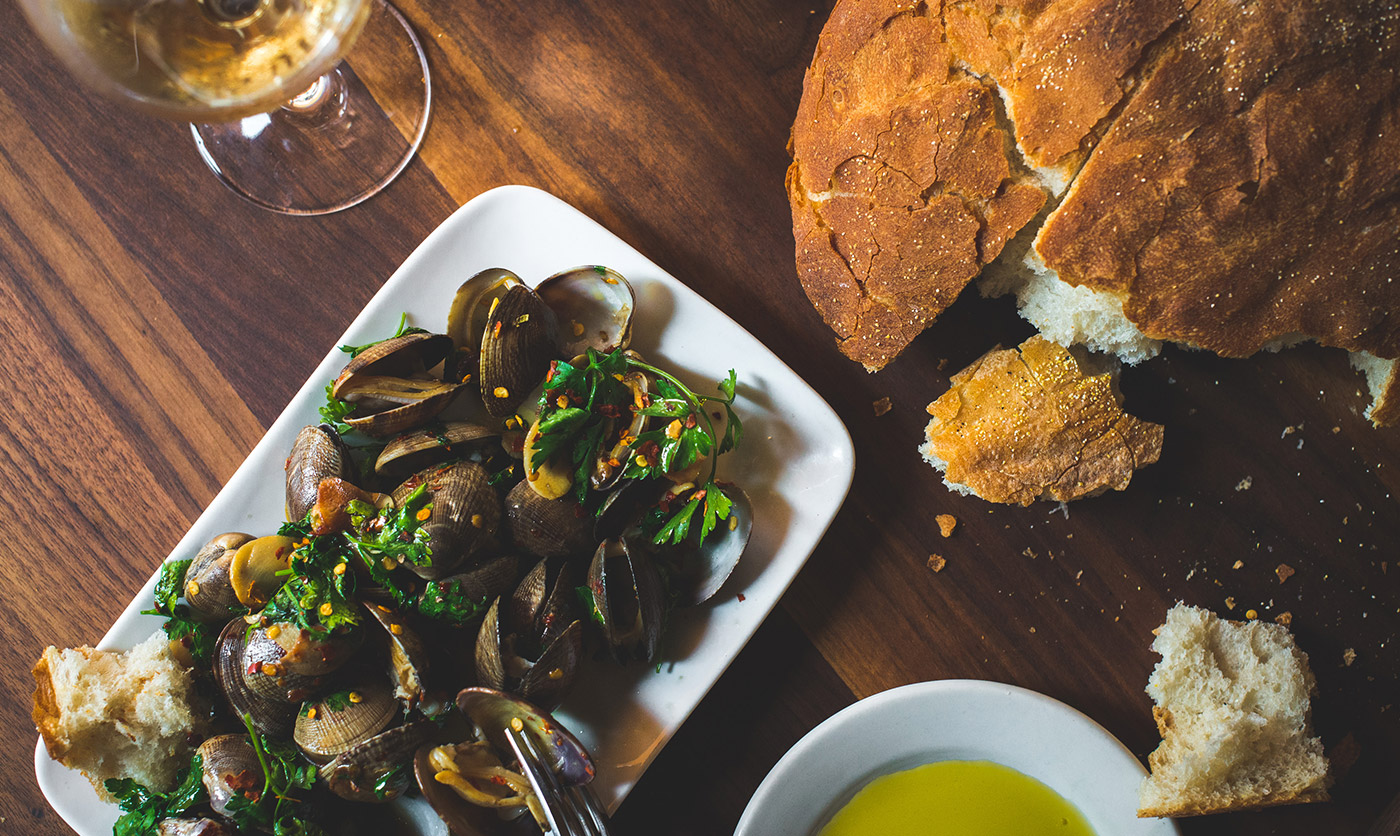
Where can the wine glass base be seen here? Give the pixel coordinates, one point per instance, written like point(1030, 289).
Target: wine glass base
point(342, 140)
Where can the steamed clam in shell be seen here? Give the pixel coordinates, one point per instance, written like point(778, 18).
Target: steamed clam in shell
point(696, 574)
point(532, 643)
point(371, 770)
point(463, 518)
point(516, 347)
point(208, 585)
point(594, 305)
point(391, 384)
point(317, 453)
point(547, 527)
point(464, 782)
point(627, 599)
point(344, 719)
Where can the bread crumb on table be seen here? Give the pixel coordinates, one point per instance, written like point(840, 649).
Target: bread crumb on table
point(1230, 603)
point(936, 562)
point(1348, 656)
point(1284, 572)
point(946, 524)
point(1239, 564)
point(1285, 618)
point(881, 406)
point(1245, 484)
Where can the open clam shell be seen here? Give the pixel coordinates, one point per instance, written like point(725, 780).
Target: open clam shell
point(594, 305)
point(424, 447)
point(627, 599)
point(492, 712)
point(227, 762)
point(696, 574)
point(360, 772)
point(531, 644)
point(408, 656)
point(391, 384)
point(516, 347)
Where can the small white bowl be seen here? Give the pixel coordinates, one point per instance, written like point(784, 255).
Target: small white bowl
point(955, 719)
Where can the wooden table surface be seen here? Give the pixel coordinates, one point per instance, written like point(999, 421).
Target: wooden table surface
point(154, 326)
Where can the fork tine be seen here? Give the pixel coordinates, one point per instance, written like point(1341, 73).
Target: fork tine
point(584, 798)
point(575, 821)
point(533, 771)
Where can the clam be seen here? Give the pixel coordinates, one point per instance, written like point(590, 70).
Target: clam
point(594, 305)
point(408, 658)
point(547, 527)
point(208, 587)
point(258, 569)
point(610, 464)
point(424, 447)
point(471, 785)
point(391, 385)
point(627, 599)
point(317, 453)
point(696, 574)
point(464, 516)
point(516, 347)
point(343, 720)
point(373, 769)
point(269, 715)
point(531, 644)
point(231, 767)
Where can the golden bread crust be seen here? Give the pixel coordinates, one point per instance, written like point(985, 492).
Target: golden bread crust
point(900, 187)
point(1249, 191)
point(1034, 423)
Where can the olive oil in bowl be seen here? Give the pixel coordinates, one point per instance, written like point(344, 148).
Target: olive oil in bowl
point(957, 798)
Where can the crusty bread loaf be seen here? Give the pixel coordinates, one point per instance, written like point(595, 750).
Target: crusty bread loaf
point(115, 714)
point(1038, 422)
point(1143, 191)
point(1232, 705)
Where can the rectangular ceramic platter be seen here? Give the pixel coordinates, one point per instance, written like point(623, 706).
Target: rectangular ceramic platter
point(796, 464)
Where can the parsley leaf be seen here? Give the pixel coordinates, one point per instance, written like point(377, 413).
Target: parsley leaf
point(404, 328)
point(145, 808)
point(334, 410)
point(446, 600)
point(197, 636)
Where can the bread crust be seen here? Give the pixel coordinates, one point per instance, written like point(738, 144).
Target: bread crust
point(900, 186)
point(1249, 190)
point(1037, 422)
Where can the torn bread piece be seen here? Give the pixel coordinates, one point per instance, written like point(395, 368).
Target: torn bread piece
point(1233, 708)
point(1037, 422)
point(119, 714)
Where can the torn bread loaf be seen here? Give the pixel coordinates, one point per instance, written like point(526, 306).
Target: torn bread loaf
point(1212, 173)
point(1038, 422)
point(1232, 706)
point(118, 714)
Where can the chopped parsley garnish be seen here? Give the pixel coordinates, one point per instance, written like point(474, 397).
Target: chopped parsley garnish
point(197, 636)
point(445, 600)
point(144, 808)
point(580, 410)
point(284, 772)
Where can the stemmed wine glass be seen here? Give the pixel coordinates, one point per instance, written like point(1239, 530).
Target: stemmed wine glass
point(301, 106)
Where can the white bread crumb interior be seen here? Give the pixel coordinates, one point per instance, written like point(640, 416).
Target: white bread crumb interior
point(114, 714)
point(1233, 707)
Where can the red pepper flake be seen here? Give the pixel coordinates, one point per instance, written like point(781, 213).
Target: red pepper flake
point(649, 449)
point(700, 494)
point(690, 421)
point(610, 411)
point(497, 331)
point(279, 551)
point(741, 597)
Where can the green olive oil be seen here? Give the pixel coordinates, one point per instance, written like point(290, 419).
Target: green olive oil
point(957, 798)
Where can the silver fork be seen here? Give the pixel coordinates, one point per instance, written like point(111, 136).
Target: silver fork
point(571, 810)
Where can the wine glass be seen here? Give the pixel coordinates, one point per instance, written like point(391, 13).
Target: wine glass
point(300, 106)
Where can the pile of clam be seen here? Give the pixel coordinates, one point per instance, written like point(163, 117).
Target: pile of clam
point(454, 413)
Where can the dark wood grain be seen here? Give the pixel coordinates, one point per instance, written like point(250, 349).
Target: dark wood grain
point(155, 324)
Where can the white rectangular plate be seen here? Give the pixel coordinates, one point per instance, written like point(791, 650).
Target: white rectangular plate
point(796, 464)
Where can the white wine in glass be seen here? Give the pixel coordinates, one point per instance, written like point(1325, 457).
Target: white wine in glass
point(301, 106)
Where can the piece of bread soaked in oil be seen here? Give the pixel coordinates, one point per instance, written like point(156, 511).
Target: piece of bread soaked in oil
point(1233, 708)
point(1209, 173)
point(1037, 422)
point(118, 714)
